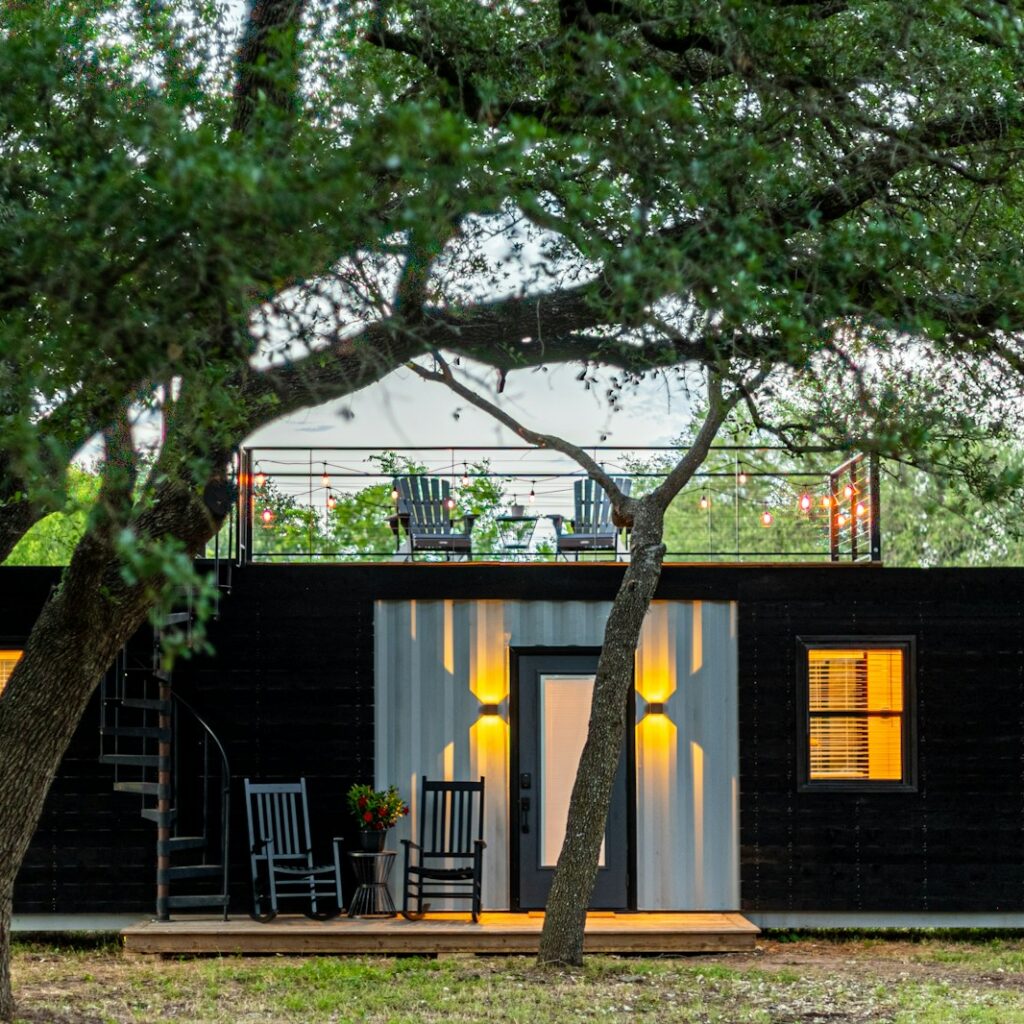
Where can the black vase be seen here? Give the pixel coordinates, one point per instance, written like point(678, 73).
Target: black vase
point(372, 841)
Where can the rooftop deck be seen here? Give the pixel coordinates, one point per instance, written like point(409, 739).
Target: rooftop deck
point(497, 933)
point(745, 505)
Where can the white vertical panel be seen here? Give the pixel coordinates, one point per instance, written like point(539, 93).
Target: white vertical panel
point(688, 759)
point(436, 662)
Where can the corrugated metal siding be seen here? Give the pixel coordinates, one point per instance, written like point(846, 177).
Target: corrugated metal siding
point(437, 661)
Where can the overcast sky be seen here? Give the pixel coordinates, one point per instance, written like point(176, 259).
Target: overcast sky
point(402, 410)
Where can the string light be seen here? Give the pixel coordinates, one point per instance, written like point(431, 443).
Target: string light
point(805, 502)
point(325, 480)
point(394, 494)
point(849, 491)
point(704, 503)
point(860, 510)
point(826, 501)
point(465, 475)
point(449, 503)
point(260, 480)
point(532, 496)
point(741, 478)
point(766, 517)
point(267, 515)
point(331, 501)
point(841, 520)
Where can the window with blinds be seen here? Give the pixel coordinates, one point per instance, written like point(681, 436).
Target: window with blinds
point(8, 659)
point(856, 704)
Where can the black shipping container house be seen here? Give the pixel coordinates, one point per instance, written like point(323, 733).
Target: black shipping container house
point(814, 744)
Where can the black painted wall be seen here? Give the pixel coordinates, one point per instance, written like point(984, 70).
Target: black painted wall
point(290, 691)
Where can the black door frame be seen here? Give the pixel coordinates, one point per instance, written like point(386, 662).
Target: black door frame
point(515, 653)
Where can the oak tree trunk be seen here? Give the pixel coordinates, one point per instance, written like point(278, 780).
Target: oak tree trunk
point(74, 641)
point(576, 872)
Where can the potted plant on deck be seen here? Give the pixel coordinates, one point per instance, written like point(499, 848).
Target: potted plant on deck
point(376, 810)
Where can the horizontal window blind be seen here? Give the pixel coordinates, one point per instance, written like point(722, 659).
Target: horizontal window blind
point(855, 704)
point(8, 659)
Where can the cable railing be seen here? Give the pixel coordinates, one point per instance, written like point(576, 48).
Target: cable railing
point(745, 504)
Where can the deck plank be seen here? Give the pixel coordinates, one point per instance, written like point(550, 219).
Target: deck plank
point(440, 933)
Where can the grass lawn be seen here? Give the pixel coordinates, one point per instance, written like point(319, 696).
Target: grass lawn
point(931, 980)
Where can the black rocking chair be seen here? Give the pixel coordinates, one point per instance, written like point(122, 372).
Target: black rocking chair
point(279, 840)
point(424, 509)
point(592, 528)
point(448, 860)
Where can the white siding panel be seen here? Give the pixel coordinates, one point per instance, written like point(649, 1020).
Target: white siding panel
point(436, 662)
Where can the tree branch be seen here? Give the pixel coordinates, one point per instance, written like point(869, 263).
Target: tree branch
point(266, 61)
point(444, 375)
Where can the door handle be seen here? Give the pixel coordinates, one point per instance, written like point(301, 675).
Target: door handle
point(524, 814)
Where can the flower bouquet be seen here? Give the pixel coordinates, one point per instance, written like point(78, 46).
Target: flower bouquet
point(376, 810)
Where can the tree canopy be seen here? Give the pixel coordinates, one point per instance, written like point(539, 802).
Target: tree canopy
point(229, 218)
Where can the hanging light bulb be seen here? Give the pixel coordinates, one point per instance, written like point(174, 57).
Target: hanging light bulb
point(766, 516)
point(331, 501)
point(741, 478)
point(267, 515)
point(465, 475)
point(805, 502)
point(860, 510)
point(532, 496)
point(841, 520)
point(848, 491)
point(260, 479)
point(325, 480)
point(449, 503)
point(704, 503)
point(826, 501)
point(394, 494)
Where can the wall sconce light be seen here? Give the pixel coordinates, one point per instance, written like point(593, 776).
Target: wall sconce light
point(655, 707)
point(488, 710)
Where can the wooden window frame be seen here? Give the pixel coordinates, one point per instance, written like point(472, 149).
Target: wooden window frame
point(908, 783)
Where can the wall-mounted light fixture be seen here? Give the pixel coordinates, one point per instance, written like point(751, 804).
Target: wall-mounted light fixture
point(488, 710)
point(655, 707)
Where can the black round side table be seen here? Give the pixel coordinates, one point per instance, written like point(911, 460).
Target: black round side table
point(372, 897)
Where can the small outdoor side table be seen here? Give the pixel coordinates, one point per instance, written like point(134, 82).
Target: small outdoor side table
point(372, 897)
point(516, 533)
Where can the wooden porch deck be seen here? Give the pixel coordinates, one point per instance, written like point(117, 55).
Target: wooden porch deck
point(497, 933)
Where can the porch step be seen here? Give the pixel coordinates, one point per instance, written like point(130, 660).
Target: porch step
point(142, 788)
point(138, 760)
point(194, 871)
point(167, 818)
point(177, 843)
point(147, 704)
point(183, 902)
point(136, 732)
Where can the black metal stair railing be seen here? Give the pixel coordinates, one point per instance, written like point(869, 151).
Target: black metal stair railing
point(163, 751)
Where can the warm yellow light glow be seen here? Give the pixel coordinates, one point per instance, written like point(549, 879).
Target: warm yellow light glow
point(697, 648)
point(656, 655)
point(856, 706)
point(488, 653)
point(448, 760)
point(8, 659)
point(657, 779)
point(697, 769)
point(449, 637)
